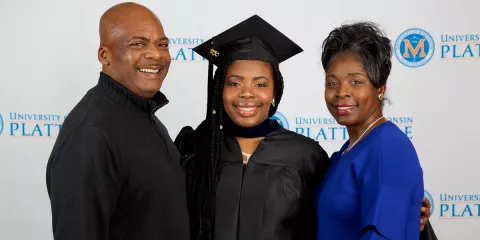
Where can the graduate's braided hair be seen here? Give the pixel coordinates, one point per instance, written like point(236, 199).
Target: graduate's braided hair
point(211, 157)
point(278, 88)
point(212, 138)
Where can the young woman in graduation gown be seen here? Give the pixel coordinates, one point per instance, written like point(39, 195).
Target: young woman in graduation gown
point(249, 178)
point(374, 187)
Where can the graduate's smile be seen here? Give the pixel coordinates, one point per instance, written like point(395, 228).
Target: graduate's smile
point(247, 109)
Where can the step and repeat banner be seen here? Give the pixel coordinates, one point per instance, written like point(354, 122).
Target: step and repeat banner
point(49, 60)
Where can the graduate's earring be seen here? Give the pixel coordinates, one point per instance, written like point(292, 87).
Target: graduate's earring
point(273, 102)
point(380, 97)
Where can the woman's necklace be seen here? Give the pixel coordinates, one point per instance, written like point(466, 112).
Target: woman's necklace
point(246, 155)
point(348, 149)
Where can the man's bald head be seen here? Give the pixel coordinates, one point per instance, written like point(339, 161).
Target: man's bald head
point(133, 48)
point(118, 15)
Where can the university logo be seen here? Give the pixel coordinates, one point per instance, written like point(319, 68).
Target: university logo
point(465, 46)
point(429, 197)
point(181, 49)
point(1, 124)
point(414, 47)
point(281, 120)
point(31, 125)
point(459, 206)
point(321, 129)
point(326, 129)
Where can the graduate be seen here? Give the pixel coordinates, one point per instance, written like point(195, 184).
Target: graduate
point(249, 178)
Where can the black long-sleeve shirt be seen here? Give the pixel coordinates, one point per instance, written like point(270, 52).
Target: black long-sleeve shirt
point(114, 172)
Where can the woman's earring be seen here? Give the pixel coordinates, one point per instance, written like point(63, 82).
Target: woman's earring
point(273, 102)
point(380, 97)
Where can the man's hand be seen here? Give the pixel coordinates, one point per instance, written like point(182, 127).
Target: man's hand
point(425, 213)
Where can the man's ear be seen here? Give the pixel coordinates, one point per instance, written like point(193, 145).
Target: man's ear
point(103, 55)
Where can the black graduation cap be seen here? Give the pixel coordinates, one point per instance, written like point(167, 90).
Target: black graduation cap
point(252, 39)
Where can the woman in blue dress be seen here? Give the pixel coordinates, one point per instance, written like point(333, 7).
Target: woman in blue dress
point(374, 186)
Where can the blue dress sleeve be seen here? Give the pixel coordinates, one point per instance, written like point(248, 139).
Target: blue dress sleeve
point(391, 191)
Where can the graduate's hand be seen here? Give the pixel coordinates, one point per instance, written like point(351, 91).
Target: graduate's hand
point(425, 213)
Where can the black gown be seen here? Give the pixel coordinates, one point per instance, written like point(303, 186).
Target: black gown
point(272, 197)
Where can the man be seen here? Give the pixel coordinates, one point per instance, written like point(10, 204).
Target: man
point(114, 172)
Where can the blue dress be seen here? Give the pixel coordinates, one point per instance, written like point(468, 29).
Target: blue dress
point(373, 191)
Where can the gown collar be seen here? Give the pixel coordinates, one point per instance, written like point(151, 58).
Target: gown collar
point(261, 130)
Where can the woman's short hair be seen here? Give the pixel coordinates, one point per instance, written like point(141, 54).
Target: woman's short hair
point(368, 41)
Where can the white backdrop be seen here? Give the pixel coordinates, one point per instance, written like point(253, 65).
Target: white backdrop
point(48, 61)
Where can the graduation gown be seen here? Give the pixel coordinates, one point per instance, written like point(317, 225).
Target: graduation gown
point(272, 197)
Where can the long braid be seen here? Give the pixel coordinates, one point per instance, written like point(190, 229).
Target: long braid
point(217, 139)
point(210, 156)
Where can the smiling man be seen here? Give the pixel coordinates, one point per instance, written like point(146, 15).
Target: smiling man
point(114, 172)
